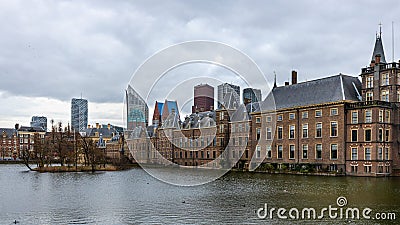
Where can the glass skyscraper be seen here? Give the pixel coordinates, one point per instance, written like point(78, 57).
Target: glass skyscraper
point(79, 114)
point(137, 110)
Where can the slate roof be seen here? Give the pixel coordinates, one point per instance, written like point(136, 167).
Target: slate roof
point(31, 129)
point(330, 89)
point(199, 120)
point(151, 130)
point(378, 49)
point(172, 121)
point(104, 131)
point(9, 132)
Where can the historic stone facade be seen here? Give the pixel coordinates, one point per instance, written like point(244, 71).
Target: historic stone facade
point(337, 124)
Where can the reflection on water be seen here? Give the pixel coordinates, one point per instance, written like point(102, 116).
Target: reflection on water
point(130, 197)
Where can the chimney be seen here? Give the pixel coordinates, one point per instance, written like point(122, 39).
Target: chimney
point(372, 64)
point(88, 126)
point(294, 77)
point(109, 126)
point(378, 58)
point(97, 125)
point(16, 126)
point(286, 83)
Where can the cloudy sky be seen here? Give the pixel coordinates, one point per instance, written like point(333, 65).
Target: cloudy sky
point(52, 51)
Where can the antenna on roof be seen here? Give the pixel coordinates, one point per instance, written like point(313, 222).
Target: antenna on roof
point(274, 79)
point(380, 30)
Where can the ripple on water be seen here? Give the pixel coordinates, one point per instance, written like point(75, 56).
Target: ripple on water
point(131, 197)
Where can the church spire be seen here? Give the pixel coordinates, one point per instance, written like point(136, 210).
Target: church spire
point(378, 49)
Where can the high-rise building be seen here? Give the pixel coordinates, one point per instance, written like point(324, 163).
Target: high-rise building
point(79, 114)
point(203, 98)
point(251, 95)
point(39, 121)
point(137, 110)
point(232, 90)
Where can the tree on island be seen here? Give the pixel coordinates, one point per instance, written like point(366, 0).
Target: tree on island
point(92, 154)
point(63, 146)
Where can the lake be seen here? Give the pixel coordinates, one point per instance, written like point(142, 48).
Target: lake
point(133, 196)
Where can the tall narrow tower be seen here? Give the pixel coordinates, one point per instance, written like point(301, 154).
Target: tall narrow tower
point(380, 79)
point(378, 49)
point(79, 114)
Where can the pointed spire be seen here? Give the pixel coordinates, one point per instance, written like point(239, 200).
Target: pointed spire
point(378, 49)
point(274, 79)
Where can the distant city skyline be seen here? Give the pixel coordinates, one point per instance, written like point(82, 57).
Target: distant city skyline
point(71, 47)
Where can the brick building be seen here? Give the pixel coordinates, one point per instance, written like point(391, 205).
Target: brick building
point(26, 138)
point(338, 124)
point(9, 144)
point(308, 126)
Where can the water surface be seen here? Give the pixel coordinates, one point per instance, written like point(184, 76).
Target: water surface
point(133, 196)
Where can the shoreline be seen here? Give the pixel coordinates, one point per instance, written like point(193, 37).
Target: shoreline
point(68, 169)
point(110, 167)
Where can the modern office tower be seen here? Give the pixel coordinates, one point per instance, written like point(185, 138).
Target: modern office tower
point(137, 110)
point(232, 90)
point(79, 114)
point(39, 121)
point(251, 95)
point(203, 98)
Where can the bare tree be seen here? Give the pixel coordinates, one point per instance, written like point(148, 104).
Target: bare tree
point(92, 154)
point(40, 149)
point(26, 157)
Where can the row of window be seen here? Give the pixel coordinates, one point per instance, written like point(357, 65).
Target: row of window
point(383, 135)
point(304, 151)
point(240, 127)
point(368, 169)
point(21, 147)
point(196, 154)
point(369, 96)
point(384, 80)
point(381, 154)
point(304, 115)
point(384, 116)
point(197, 142)
point(305, 133)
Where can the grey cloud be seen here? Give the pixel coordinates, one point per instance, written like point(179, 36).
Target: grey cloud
point(62, 48)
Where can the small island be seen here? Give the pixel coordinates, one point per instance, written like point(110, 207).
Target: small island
point(66, 150)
